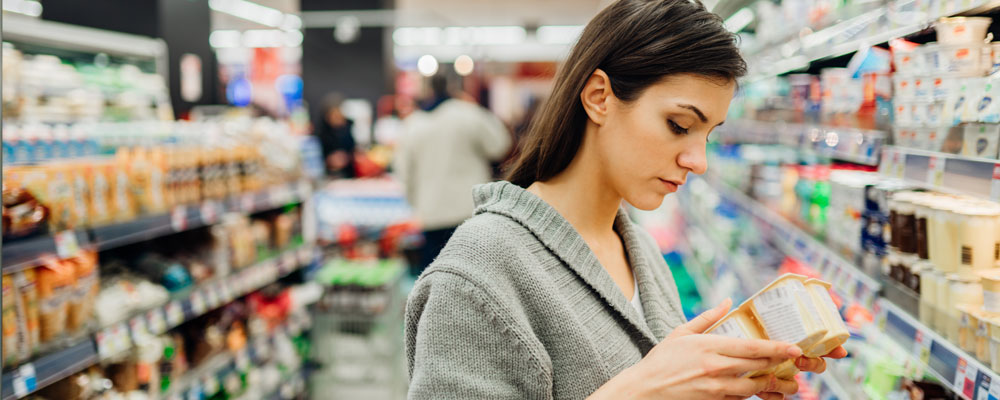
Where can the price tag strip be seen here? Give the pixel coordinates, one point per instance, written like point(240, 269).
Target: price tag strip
point(66, 244)
point(24, 381)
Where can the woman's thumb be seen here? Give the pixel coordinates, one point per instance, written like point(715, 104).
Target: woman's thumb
point(702, 322)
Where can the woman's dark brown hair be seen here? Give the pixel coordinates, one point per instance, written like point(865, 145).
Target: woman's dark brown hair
point(637, 43)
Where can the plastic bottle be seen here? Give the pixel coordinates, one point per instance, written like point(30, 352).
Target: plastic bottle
point(820, 200)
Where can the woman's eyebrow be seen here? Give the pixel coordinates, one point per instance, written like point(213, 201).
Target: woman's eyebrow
point(700, 114)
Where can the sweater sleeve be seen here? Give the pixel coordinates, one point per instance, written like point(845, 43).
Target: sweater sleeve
point(460, 346)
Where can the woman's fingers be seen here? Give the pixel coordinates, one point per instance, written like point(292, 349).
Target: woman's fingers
point(771, 396)
point(839, 352)
point(755, 348)
point(703, 321)
point(817, 365)
point(731, 366)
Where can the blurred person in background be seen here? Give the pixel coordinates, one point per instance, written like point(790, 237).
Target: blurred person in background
point(444, 152)
point(334, 132)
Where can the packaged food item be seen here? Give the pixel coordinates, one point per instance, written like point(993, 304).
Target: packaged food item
point(55, 287)
point(99, 179)
point(10, 321)
point(968, 324)
point(836, 329)
point(962, 30)
point(84, 294)
point(122, 200)
point(928, 294)
point(981, 140)
point(989, 104)
point(787, 313)
point(976, 238)
point(982, 338)
point(23, 215)
point(994, 345)
point(29, 332)
point(81, 194)
point(963, 292)
point(741, 324)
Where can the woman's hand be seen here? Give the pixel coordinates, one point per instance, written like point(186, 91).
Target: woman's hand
point(691, 365)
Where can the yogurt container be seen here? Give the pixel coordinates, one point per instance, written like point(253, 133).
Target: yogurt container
point(962, 30)
point(967, 326)
point(902, 86)
point(787, 313)
point(991, 291)
point(977, 241)
point(963, 292)
point(836, 329)
point(928, 293)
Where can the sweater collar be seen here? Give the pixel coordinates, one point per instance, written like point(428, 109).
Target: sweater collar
point(559, 236)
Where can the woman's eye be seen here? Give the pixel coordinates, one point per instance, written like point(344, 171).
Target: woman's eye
point(677, 128)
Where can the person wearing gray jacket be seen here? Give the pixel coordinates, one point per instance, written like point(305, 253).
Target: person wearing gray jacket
point(550, 291)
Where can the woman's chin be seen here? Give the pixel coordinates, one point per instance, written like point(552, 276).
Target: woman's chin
point(647, 202)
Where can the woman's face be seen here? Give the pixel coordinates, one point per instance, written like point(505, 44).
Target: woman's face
point(648, 146)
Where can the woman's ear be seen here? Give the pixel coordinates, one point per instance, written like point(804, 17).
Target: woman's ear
point(596, 95)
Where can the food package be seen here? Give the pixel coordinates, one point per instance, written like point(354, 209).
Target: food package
point(29, 330)
point(23, 215)
point(791, 309)
point(122, 199)
point(55, 287)
point(283, 227)
point(84, 295)
point(10, 321)
point(99, 180)
point(59, 197)
point(81, 194)
point(981, 140)
point(837, 333)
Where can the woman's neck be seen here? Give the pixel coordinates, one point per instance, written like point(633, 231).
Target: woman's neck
point(582, 195)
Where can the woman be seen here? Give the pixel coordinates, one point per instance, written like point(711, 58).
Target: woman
point(550, 292)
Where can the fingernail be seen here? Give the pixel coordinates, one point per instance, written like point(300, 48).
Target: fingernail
point(794, 351)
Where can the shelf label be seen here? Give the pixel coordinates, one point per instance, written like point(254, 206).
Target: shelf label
point(995, 185)
point(965, 378)
point(24, 380)
point(156, 321)
point(899, 163)
point(209, 212)
point(178, 218)
point(922, 347)
point(994, 390)
point(983, 390)
point(66, 245)
point(175, 313)
point(935, 171)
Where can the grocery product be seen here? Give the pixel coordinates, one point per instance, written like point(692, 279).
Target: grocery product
point(981, 140)
point(55, 288)
point(836, 329)
point(10, 321)
point(84, 294)
point(962, 30)
point(28, 286)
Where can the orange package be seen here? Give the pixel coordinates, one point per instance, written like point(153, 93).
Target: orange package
point(98, 176)
point(85, 290)
point(10, 323)
point(55, 287)
point(26, 283)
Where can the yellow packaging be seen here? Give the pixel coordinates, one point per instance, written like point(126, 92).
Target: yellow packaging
point(786, 311)
point(122, 200)
point(837, 333)
point(55, 287)
point(26, 283)
point(98, 176)
point(968, 323)
point(10, 321)
point(81, 194)
point(740, 323)
point(85, 289)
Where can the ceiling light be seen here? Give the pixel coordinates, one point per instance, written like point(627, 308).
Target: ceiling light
point(464, 65)
point(459, 35)
point(254, 12)
point(427, 65)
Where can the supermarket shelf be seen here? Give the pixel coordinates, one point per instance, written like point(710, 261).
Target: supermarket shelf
point(859, 146)
point(949, 173)
point(848, 281)
point(899, 19)
point(118, 338)
point(954, 368)
point(21, 254)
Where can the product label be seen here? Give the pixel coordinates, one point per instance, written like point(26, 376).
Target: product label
point(178, 218)
point(780, 315)
point(826, 300)
point(730, 328)
point(24, 381)
point(66, 245)
point(935, 171)
point(965, 378)
point(966, 255)
point(982, 329)
point(995, 384)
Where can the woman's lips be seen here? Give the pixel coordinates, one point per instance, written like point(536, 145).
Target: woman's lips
point(670, 185)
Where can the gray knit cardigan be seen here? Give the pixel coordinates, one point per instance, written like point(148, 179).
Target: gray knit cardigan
point(517, 306)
